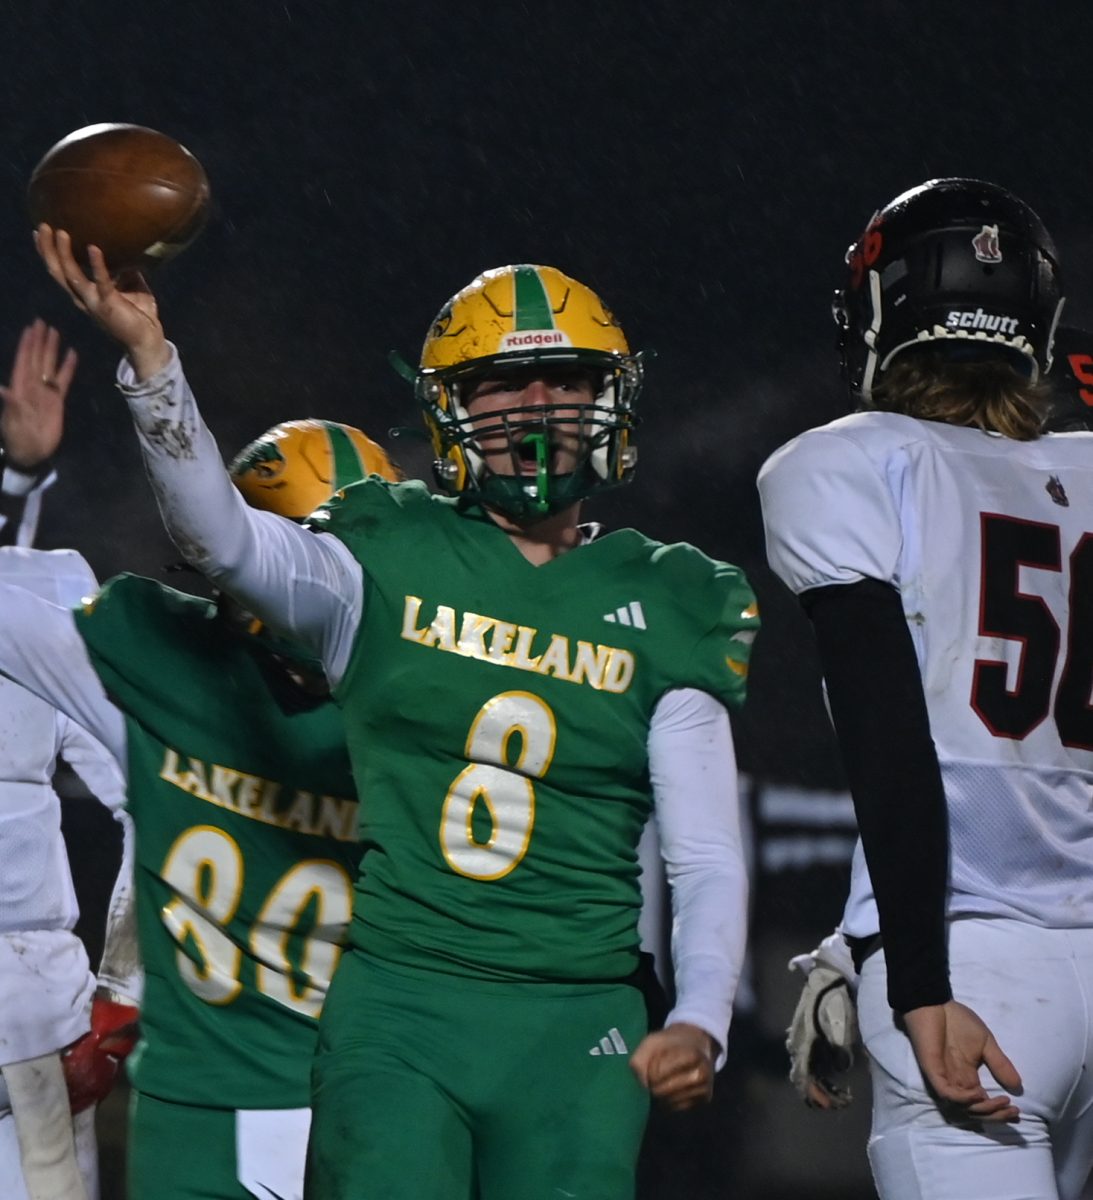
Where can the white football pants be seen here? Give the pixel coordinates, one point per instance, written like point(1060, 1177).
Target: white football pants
point(1034, 989)
point(63, 1162)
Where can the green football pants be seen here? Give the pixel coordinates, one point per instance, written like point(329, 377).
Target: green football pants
point(434, 1087)
point(181, 1152)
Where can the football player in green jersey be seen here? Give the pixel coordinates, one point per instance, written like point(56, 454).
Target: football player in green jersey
point(240, 791)
point(520, 694)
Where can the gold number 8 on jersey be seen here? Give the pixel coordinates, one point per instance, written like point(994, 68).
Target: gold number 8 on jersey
point(504, 790)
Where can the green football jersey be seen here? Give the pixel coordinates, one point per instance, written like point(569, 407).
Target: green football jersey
point(245, 818)
point(498, 715)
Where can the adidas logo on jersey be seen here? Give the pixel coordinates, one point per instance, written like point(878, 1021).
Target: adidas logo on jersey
point(628, 614)
point(613, 1043)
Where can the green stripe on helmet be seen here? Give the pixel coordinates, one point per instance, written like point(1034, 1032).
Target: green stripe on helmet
point(532, 303)
point(348, 467)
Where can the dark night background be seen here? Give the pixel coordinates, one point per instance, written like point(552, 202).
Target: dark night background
point(703, 166)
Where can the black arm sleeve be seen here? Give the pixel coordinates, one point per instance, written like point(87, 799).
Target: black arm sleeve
point(20, 501)
point(11, 518)
point(875, 691)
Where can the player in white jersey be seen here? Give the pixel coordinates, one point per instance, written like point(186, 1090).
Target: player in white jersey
point(823, 1034)
point(940, 547)
point(31, 420)
point(46, 986)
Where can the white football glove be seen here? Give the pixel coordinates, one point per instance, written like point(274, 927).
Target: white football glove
point(824, 1029)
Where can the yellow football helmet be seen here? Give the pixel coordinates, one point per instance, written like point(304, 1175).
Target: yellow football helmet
point(298, 465)
point(516, 318)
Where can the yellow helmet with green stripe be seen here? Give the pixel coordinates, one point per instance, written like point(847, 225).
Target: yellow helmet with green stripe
point(298, 465)
point(515, 318)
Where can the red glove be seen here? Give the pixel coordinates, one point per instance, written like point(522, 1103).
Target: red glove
point(91, 1064)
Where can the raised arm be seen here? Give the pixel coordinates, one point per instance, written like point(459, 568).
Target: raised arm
point(299, 583)
point(31, 422)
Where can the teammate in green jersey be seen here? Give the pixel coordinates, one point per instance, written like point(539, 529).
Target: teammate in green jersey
point(519, 694)
point(245, 812)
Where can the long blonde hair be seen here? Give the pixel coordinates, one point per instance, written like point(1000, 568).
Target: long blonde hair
point(992, 395)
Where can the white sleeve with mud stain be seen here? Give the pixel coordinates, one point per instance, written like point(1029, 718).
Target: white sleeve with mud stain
point(304, 585)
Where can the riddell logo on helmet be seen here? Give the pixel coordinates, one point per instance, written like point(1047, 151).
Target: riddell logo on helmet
point(980, 320)
point(526, 339)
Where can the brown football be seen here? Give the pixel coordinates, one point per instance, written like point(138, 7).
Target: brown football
point(137, 194)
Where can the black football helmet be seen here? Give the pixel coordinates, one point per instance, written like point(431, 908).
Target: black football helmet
point(958, 263)
point(1070, 406)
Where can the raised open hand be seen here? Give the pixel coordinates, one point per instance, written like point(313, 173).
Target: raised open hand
point(32, 417)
